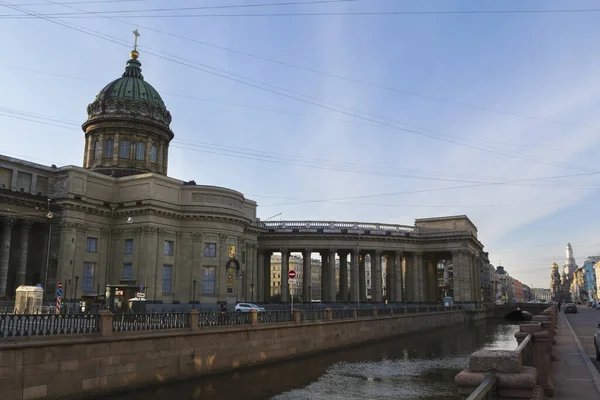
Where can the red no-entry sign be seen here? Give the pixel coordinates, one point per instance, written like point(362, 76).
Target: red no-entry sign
point(292, 274)
point(59, 285)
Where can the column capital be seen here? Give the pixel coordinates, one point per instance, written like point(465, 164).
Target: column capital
point(332, 250)
point(399, 253)
point(285, 250)
point(222, 237)
point(9, 222)
point(27, 223)
point(307, 251)
point(418, 253)
point(378, 252)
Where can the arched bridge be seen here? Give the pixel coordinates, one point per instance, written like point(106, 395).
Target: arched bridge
point(505, 310)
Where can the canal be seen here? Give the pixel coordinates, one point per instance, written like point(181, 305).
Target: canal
point(415, 367)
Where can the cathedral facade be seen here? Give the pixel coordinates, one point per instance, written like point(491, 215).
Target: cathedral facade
point(120, 221)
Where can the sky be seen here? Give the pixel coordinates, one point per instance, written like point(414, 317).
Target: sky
point(368, 117)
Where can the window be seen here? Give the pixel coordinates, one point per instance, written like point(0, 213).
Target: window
point(168, 248)
point(153, 154)
point(124, 149)
point(167, 279)
point(140, 150)
point(94, 149)
point(127, 271)
point(87, 281)
point(108, 148)
point(91, 245)
point(209, 280)
point(231, 251)
point(210, 250)
point(128, 246)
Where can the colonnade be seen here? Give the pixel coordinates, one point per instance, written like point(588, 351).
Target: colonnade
point(7, 245)
point(411, 276)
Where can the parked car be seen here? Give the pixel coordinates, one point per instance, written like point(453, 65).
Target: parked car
point(597, 343)
point(570, 308)
point(246, 307)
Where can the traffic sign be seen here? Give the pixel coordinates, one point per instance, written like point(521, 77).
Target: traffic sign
point(60, 284)
point(38, 285)
point(292, 274)
point(292, 281)
point(140, 295)
point(59, 292)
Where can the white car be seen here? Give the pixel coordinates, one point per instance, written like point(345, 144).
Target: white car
point(246, 307)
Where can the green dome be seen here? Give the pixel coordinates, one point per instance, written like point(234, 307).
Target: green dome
point(130, 97)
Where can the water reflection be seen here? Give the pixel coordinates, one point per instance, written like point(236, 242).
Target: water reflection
point(419, 367)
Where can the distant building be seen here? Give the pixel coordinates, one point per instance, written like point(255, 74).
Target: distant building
point(542, 294)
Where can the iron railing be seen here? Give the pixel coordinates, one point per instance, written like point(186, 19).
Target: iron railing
point(341, 313)
point(20, 325)
point(273, 317)
point(313, 314)
point(149, 321)
point(485, 390)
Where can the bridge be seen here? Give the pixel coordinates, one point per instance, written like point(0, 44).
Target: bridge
point(509, 310)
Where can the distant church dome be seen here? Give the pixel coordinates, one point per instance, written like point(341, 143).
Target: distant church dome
point(555, 265)
point(130, 96)
point(127, 131)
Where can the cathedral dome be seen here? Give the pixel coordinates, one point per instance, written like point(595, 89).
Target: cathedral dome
point(554, 265)
point(130, 97)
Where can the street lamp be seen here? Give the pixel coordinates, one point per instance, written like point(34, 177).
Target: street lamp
point(252, 292)
point(194, 282)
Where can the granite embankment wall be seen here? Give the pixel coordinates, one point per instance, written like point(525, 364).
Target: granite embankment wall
point(86, 366)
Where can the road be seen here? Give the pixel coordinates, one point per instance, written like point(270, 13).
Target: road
point(584, 324)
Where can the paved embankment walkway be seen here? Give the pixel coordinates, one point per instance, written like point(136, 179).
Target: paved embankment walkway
point(573, 373)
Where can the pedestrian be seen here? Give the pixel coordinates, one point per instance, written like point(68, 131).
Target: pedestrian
point(559, 305)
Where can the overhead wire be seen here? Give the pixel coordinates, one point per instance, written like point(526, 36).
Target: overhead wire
point(312, 100)
point(286, 159)
point(341, 13)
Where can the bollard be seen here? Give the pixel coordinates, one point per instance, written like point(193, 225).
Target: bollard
point(105, 323)
point(253, 318)
point(194, 319)
point(297, 315)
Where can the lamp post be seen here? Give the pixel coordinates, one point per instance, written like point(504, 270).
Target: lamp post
point(76, 285)
point(252, 292)
point(309, 294)
point(194, 282)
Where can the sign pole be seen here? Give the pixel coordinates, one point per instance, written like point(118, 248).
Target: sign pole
point(292, 297)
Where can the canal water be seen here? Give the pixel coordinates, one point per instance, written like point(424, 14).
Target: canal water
point(415, 367)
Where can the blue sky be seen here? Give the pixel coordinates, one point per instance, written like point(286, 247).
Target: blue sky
point(452, 100)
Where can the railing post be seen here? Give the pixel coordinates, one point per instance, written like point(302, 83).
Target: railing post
point(329, 312)
point(375, 311)
point(253, 318)
point(391, 310)
point(105, 323)
point(194, 319)
point(355, 313)
point(297, 315)
point(546, 321)
point(515, 381)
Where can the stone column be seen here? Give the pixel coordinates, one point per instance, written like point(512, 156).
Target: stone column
point(307, 275)
point(22, 270)
point(267, 275)
point(362, 283)
point(409, 294)
point(331, 274)
point(354, 284)
point(7, 226)
point(376, 281)
point(344, 276)
point(398, 295)
point(260, 276)
point(418, 276)
point(390, 280)
point(432, 296)
point(324, 275)
point(461, 287)
point(285, 268)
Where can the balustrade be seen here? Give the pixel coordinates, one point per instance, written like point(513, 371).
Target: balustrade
point(522, 373)
point(106, 323)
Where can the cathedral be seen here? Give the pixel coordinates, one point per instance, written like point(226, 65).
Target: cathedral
point(120, 227)
point(563, 285)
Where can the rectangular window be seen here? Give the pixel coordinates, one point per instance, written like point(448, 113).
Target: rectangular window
point(167, 279)
point(124, 146)
point(91, 245)
point(140, 150)
point(108, 148)
point(210, 250)
point(128, 246)
point(87, 280)
point(231, 251)
point(209, 280)
point(94, 149)
point(168, 248)
point(153, 154)
point(127, 271)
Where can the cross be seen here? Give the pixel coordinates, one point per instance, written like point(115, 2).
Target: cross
point(137, 34)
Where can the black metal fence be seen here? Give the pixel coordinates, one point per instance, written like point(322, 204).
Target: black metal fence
point(19, 325)
point(15, 325)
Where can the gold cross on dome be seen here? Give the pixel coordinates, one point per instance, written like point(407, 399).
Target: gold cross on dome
point(137, 34)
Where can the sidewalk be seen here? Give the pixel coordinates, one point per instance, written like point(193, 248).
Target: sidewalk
point(573, 374)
